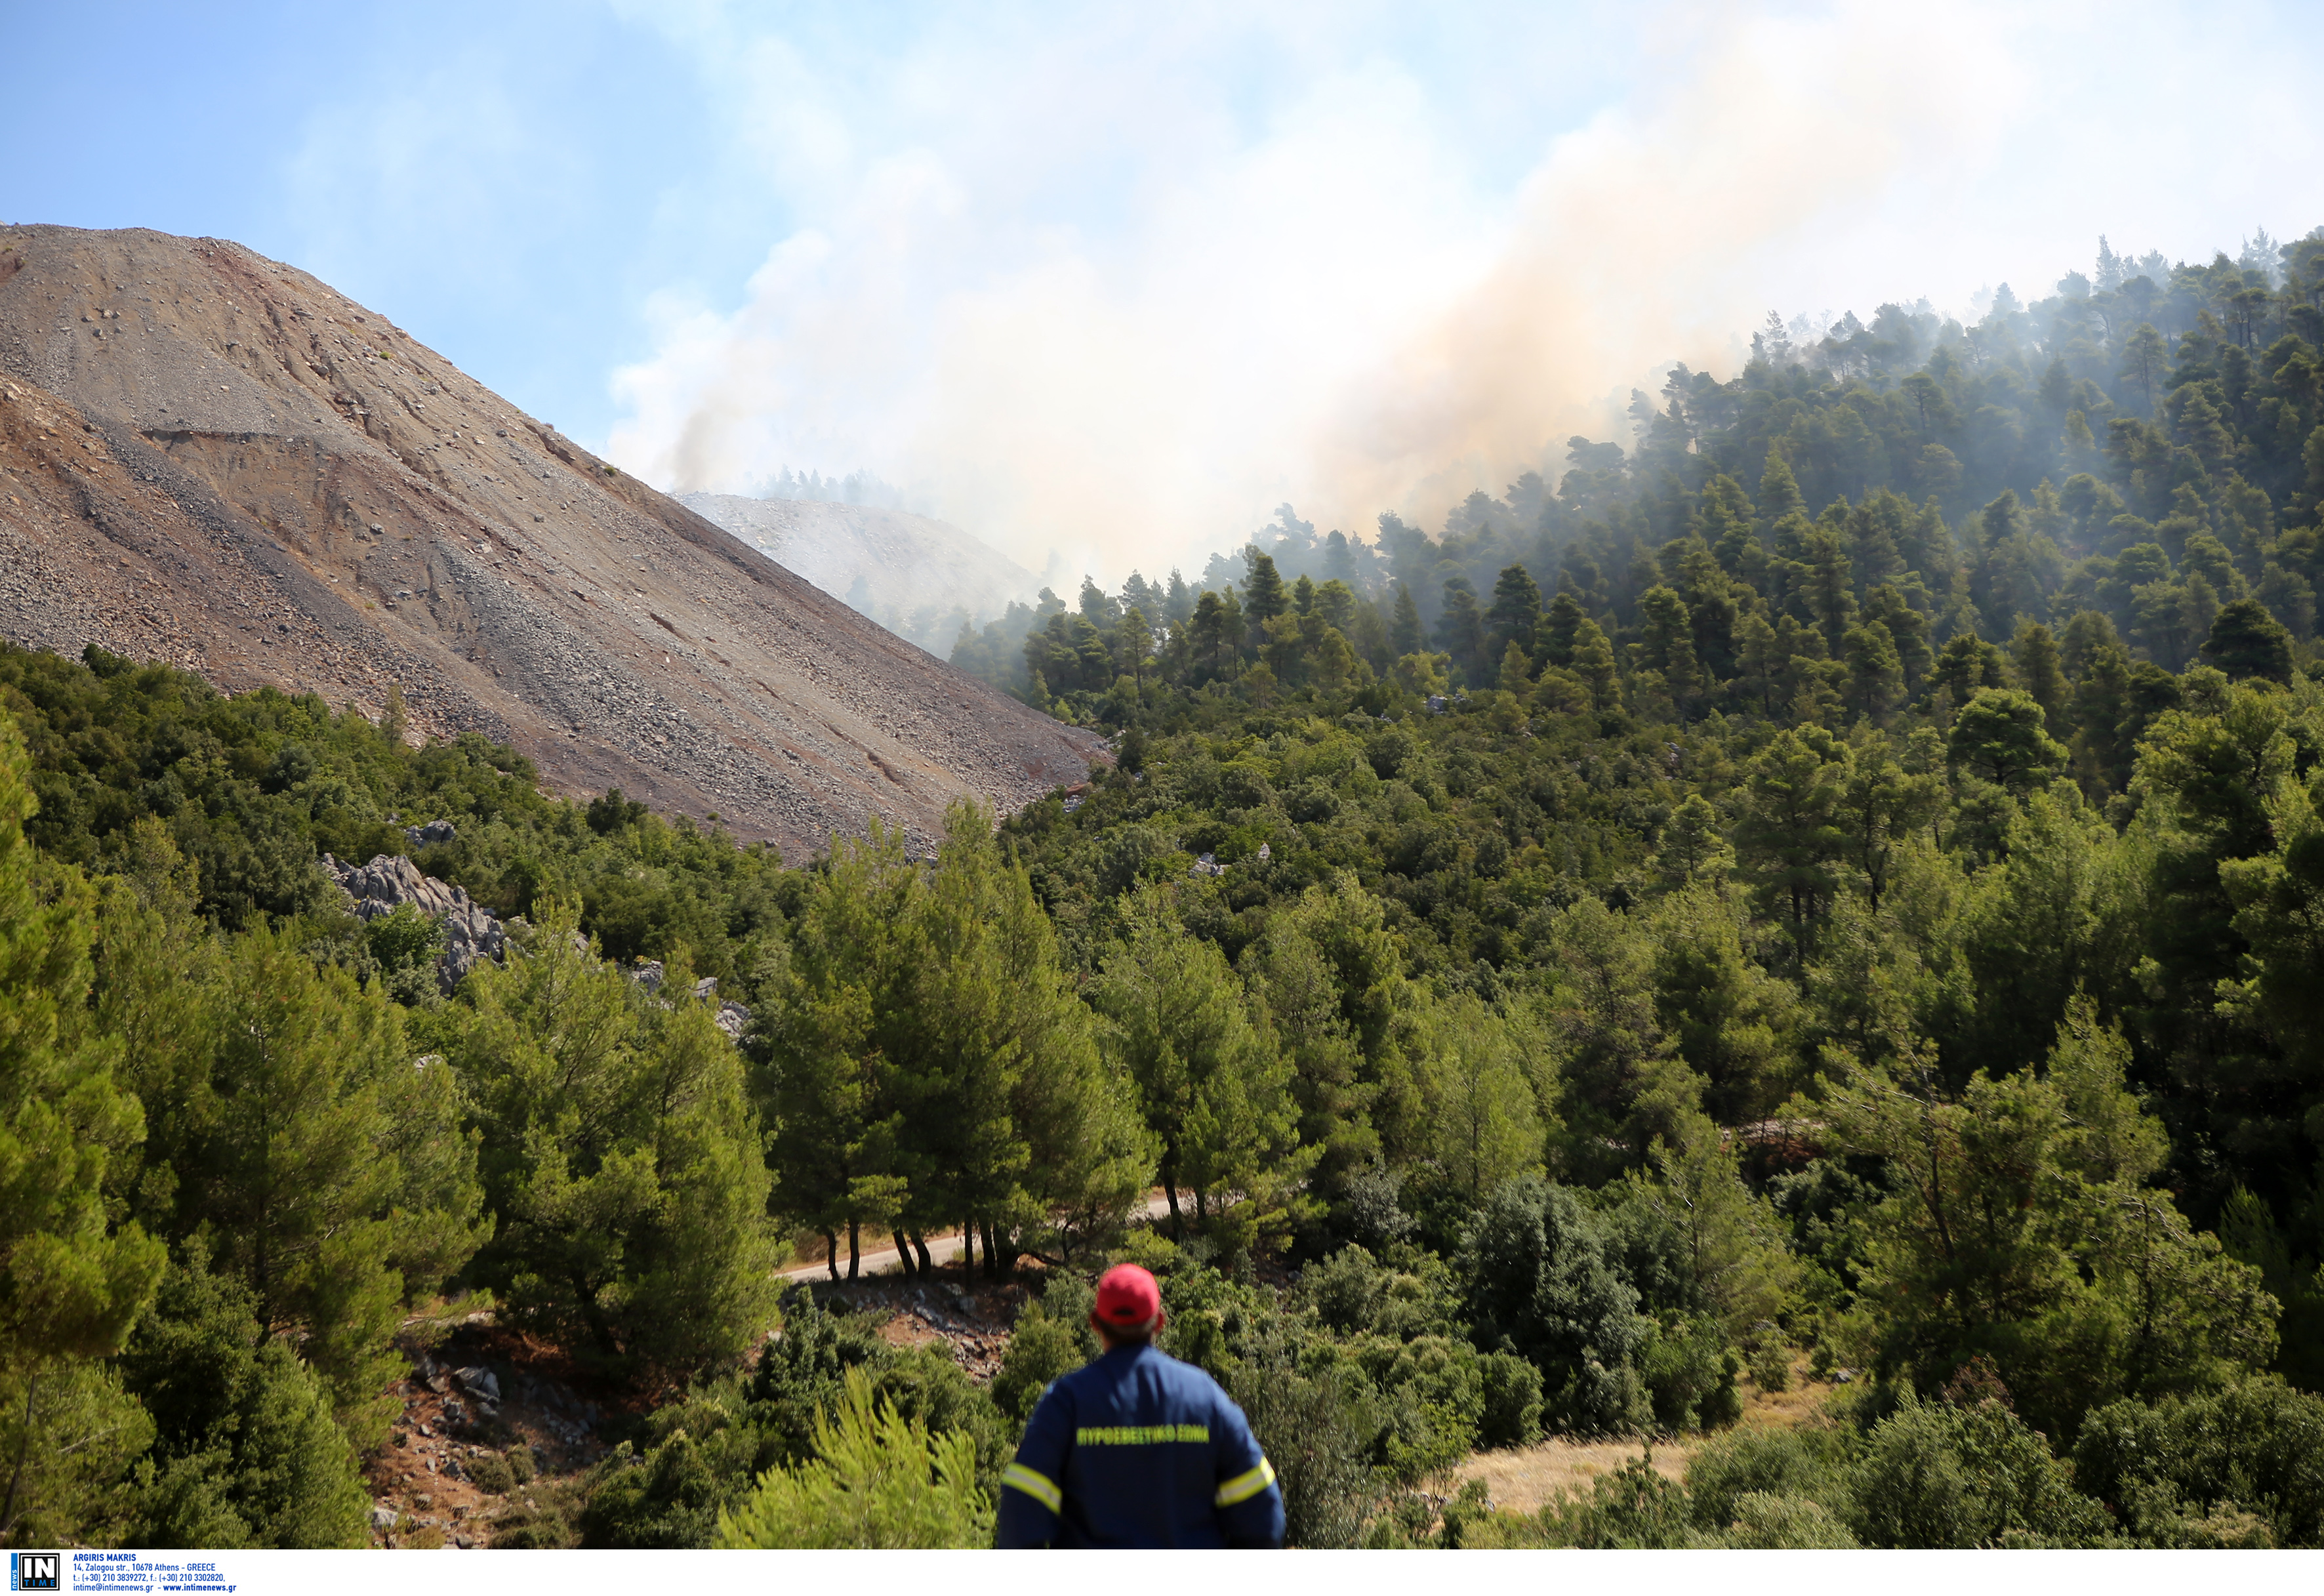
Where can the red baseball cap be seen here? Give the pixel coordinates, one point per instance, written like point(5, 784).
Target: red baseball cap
point(1128, 1296)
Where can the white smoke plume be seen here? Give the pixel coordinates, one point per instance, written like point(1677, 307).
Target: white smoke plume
point(1082, 300)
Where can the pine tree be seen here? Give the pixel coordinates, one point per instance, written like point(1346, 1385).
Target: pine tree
point(393, 723)
point(1667, 644)
point(1404, 634)
point(1214, 1091)
point(2144, 360)
point(1515, 610)
point(71, 1284)
point(1133, 646)
point(1779, 491)
point(1874, 673)
point(1213, 631)
point(1593, 662)
point(1515, 675)
point(1008, 1113)
point(1789, 834)
point(622, 1156)
point(1264, 597)
point(2246, 641)
point(2033, 659)
point(1999, 734)
point(1461, 628)
point(1486, 1120)
point(1177, 600)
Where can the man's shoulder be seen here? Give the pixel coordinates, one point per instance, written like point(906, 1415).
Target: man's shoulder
point(1151, 1366)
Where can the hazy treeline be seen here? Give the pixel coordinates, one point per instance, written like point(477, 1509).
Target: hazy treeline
point(2161, 404)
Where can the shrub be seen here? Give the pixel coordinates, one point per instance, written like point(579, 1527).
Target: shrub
point(927, 1386)
point(492, 1474)
point(1316, 1429)
point(1786, 1524)
point(1039, 1350)
point(1937, 1474)
point(245, 1452)
point(1690, 1377)
point(1632, 1508)
point(1511, 1416)
point(1346, 1289)
point(1368, 1213)
point(669, 1499)
point(1757, 1463)
point(878, 1480)
point(1542, 1286)
point(1771, 1364)
point(2181, 1472)
point(528, 1530)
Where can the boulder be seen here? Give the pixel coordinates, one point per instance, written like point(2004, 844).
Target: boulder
point(383, 1516)
point(480, 1383)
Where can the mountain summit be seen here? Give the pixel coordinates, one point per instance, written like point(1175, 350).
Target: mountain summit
point(217, 460)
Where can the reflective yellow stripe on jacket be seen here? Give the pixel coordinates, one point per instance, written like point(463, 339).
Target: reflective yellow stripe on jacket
point(1245, 1486)
point(1039, 1486)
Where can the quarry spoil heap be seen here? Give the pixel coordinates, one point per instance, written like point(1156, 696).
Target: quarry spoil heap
point(215, 460)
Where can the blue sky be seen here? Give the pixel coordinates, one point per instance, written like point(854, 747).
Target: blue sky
point(1113, 281)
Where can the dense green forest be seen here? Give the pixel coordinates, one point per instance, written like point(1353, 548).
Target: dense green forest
point(1838, 880)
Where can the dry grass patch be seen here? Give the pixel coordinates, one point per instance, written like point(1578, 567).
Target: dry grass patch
point(1527, 1480)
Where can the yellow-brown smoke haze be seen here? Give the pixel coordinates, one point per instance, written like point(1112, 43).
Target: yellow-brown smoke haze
point(1336, 315)
point(1635, 242)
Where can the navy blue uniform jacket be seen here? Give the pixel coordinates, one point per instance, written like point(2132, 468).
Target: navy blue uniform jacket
point(1139, 1450)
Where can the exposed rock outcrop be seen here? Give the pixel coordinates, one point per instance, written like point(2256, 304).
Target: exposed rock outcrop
point(471, 932)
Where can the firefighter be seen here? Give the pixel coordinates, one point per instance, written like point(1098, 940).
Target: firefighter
point(1138, 1449)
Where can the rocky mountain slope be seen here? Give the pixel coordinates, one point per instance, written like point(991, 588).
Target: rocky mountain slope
point(214, 459)
point(910, 573)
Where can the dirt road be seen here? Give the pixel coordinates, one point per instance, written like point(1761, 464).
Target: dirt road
point(944, 1250)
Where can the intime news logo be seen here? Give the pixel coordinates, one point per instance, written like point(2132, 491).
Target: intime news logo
point(36, 1570)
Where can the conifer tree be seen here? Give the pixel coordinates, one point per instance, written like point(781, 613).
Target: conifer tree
point(1212, 1086)
point(1515, 610)
point(1779, 491)
point(71, 1283)
point(622, 1156)
point(1264, 595)
point(1404, 634)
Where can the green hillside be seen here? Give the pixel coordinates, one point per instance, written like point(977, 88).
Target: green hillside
point(1836, 877)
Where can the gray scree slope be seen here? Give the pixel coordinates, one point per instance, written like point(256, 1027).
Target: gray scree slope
point(214, 459)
